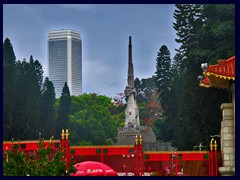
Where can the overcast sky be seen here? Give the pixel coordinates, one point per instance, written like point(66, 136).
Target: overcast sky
point(104, 30)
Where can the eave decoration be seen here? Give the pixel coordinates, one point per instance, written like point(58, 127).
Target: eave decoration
point(220, 75)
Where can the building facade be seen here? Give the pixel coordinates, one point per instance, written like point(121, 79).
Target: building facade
point(65, 60)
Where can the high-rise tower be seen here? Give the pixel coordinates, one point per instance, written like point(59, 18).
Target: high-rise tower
point(65, 60)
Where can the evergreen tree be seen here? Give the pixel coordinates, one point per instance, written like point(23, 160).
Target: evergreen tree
point(47, 111)
point(165, 126)
point(63, 110)
point(20, 115)
point(216, 39)
point(34, 83)
point(163, 75)
point(8, 88)
point(27, 99)
point(194, 117)
point(189, 19)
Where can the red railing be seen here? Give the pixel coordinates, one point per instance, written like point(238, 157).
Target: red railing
point(131, 158)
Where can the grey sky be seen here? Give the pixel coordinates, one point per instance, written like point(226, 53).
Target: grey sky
point(104, 30)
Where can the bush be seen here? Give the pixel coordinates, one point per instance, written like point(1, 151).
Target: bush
point(42, 162)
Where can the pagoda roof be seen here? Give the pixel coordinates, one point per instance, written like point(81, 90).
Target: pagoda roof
point(219, 75)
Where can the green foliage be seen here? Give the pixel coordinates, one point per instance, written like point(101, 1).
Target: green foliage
point(63, 110)
point(147, 99)
point(205, 33)
point(27, 97)
point(91, 121)
point(195, 110)
point(42, 162)
point(14, 163)
point(8, 88)
point(163, 75)
point(216, 38)
point(47, 111)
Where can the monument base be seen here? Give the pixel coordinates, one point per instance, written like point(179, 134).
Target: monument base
point(127, 135)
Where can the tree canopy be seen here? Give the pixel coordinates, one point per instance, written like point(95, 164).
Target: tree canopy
point(194, 111)
point(91, 121)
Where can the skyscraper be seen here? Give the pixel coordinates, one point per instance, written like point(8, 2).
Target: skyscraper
point(65, 60)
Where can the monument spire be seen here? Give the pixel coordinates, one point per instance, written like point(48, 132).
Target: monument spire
point(127, 134)
point(131, 112)
point(130, 64)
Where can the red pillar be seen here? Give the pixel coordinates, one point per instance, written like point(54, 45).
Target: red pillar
point(136, 172)
point(67, 149)
point(216, 158)
point(141, 155)
point(211, 158)
point(63, 140)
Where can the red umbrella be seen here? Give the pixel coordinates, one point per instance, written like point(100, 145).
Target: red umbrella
point(93, 168)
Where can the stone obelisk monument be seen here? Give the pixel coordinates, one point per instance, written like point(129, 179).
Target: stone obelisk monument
point(127, 134)
point(132, 112)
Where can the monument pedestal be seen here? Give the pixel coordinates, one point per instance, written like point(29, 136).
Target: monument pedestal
point(127, 135)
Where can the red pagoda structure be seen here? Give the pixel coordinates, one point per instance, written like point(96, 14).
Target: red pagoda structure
point(222, 75)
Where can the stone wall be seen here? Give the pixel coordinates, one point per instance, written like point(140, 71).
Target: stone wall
point(228, 138)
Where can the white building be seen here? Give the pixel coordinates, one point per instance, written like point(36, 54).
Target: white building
point(65, 60)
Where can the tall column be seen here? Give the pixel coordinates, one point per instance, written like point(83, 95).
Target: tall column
point(227, 140)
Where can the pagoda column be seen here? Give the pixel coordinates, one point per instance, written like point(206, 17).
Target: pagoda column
point(227, 140)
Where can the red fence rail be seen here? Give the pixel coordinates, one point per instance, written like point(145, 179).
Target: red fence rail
point(131, 158)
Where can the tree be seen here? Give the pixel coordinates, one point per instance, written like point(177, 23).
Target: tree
point(42, 162)
point(27, 98)
point(147, 99)
point(33, 87)
point(163, 76)
point(8, 88)
point(91, 122)
point(20, 120)
point(63, 110)
point(195, 115)
point(47, 111)
point(216, 39)
point(189, 19)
